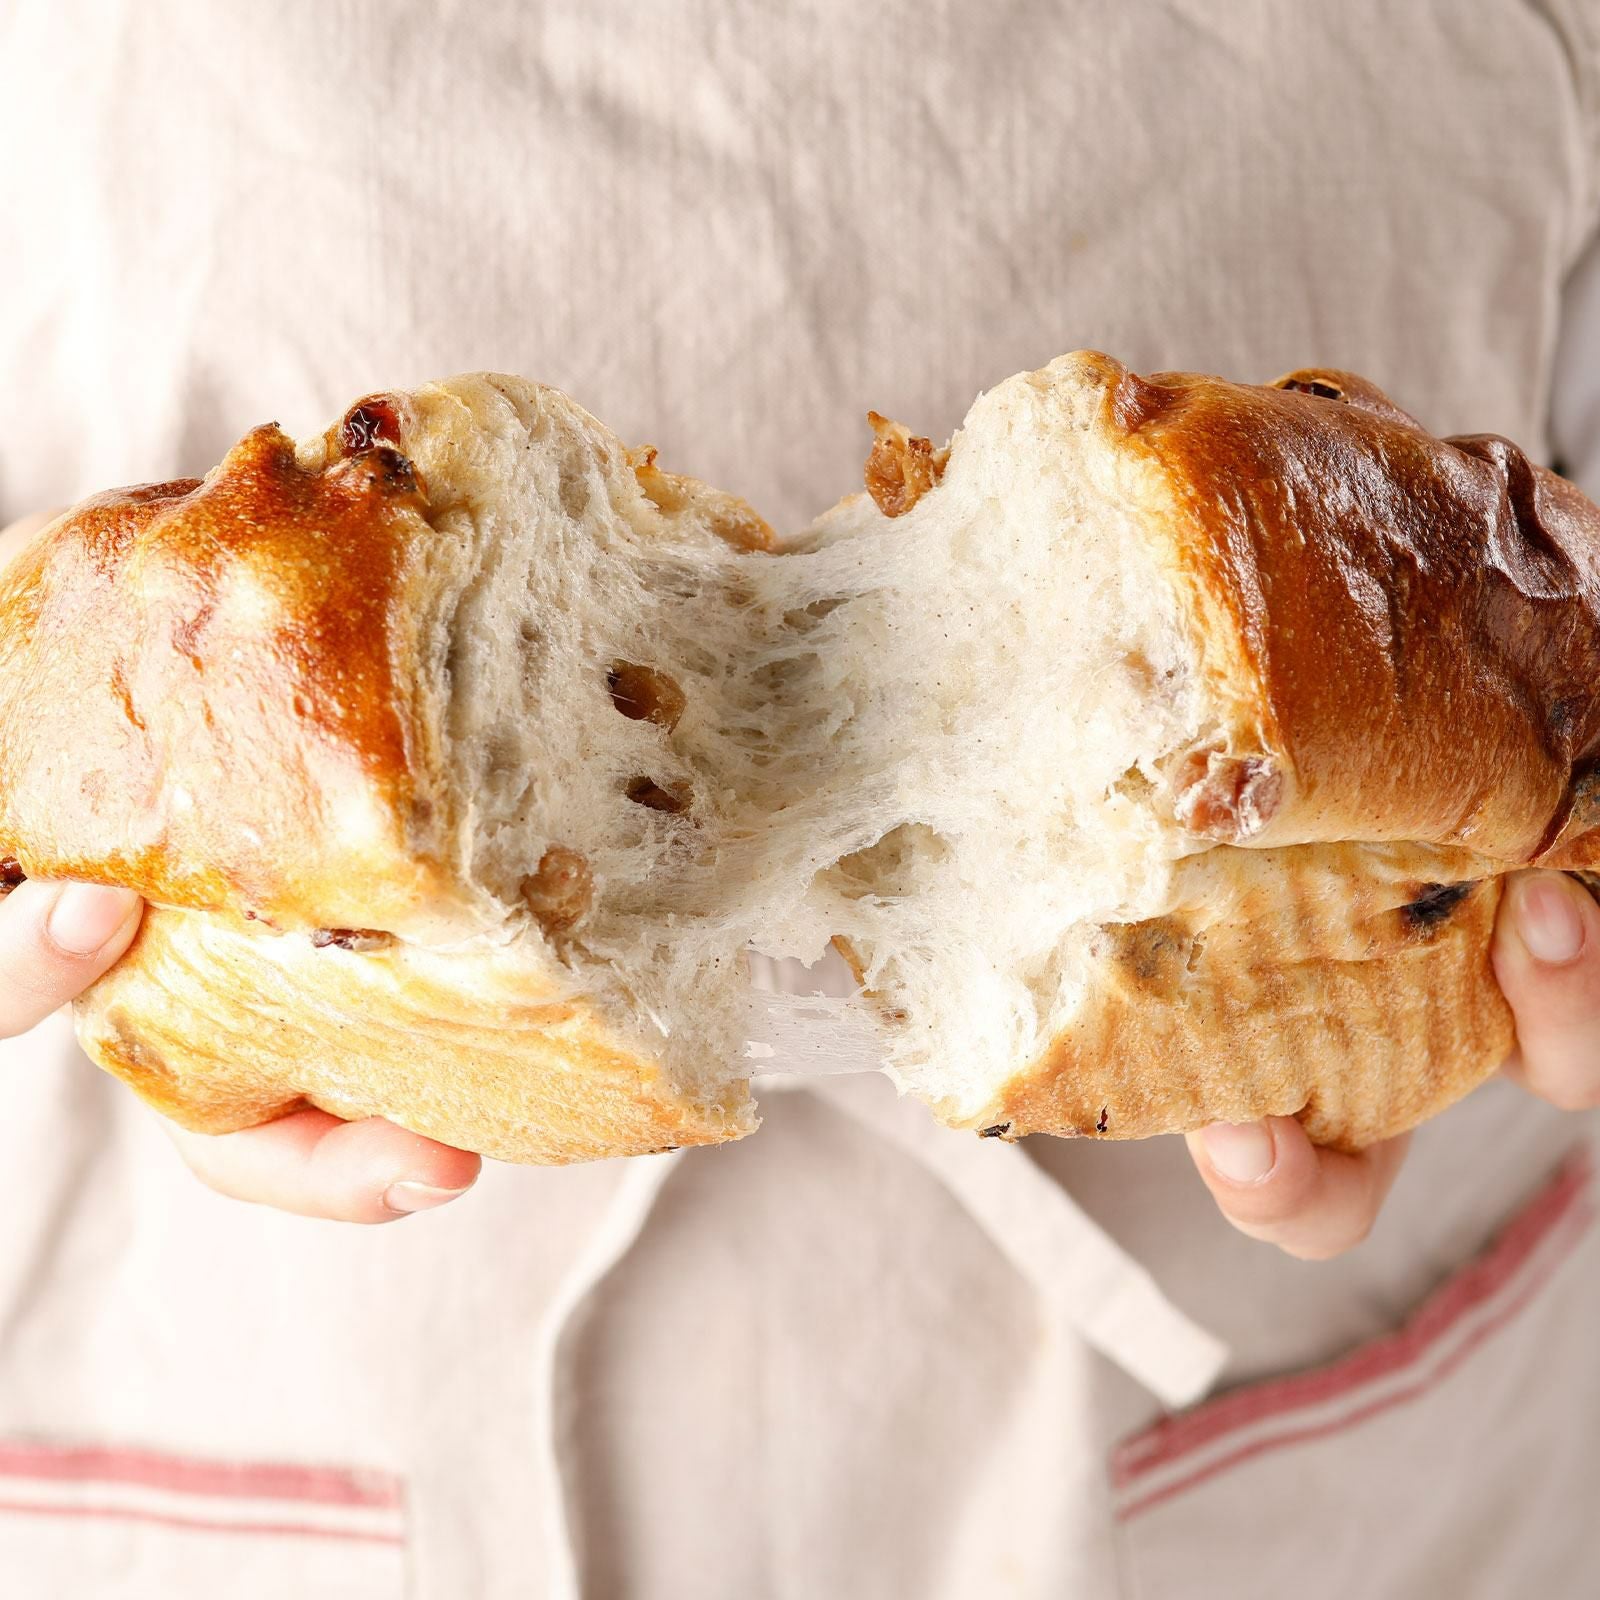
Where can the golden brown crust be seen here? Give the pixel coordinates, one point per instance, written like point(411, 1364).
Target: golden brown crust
point(220, 1026)
point(205, 692)
point(1416, 620)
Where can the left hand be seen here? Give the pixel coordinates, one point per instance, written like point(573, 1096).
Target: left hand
point(1274, 1184)
point(55, 941)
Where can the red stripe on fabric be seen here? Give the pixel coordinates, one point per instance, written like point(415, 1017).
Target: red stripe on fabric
point(1373, 1408)
point(239, 1480)
point(1178, 1436)
point(275, 1530)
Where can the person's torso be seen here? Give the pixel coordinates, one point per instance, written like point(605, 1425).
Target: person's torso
point(730, 232)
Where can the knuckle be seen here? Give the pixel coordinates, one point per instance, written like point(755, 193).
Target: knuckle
point(27, 997)
point(1263, 1214)
point(1576, 989)
point(1358, 1231)
point(1343, 1235)
point(27, 984)
point(213, 1179)
point(1571, 993)
point(1274, 1225)
point(212, 1174)
point(1316, 1249)
point(1322, 1238)
point(1285, 1200)
point(1567, 1091)
point(1310, 1231)
point(206, 1165)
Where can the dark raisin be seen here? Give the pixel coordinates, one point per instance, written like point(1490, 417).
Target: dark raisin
point(1434, 903)
point(998, 1131)
point(1324, 391)
point(1104, 1122)
point(11, 874)
point(365, 424)
point(359, 940)
point(647, 792)
point(643, 694)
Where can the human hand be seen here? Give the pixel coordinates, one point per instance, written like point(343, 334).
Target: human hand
point(57, 938)
point(1272, 1183)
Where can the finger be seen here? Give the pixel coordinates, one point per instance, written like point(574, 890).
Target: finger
point(315, 1165)
point(1547, 958)
point(15, 536)
point(55, 940)
point(1274, 1184)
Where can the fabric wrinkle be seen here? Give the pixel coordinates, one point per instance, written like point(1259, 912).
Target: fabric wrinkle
point(615, 1233)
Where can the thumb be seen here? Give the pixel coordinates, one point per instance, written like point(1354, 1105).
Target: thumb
point(1272, 1183)
point(1546, 956)
point(55, 940)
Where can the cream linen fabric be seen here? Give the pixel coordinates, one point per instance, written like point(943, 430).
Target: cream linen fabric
point(816, 1370)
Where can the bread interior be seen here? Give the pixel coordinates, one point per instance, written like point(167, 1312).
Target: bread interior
point(944, 738)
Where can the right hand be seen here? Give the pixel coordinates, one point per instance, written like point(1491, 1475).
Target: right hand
point(57, 938)
point(1316, 1203)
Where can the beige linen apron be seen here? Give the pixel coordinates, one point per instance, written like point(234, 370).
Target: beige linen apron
point(855, 1355)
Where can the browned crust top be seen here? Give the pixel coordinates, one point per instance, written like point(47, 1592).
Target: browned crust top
point(1420, 614)
point(199, 680)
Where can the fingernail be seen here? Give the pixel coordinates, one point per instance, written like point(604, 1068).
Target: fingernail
point(408, 1197)
point(85, 915)
point(1547, 921)
point(1242, 1152)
